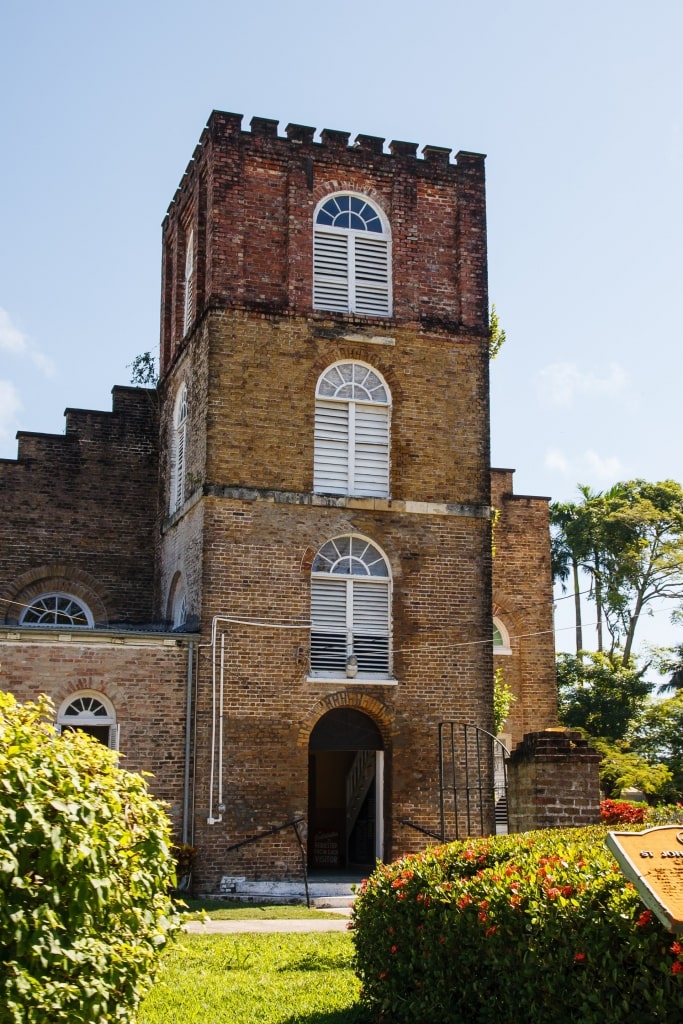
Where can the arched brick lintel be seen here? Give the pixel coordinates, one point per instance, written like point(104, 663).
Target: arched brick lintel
point(364, 702)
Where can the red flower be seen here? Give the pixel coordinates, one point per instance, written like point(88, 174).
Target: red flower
point(567, 890)
point(482, 915)
point(676, 948)
point(579, 958)
point(382, 975)
point(394, 949)
point(464, 901)
point(552, 894)
point(677, 967)
point(644, 919)
point(491, 930)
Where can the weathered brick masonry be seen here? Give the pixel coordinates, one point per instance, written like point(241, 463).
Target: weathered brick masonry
point(210, 519)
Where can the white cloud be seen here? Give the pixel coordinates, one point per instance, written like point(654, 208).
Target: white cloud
point(560, 385)
point(15, 342)
point(10, 406)
point(589, 467)
point(11, 338)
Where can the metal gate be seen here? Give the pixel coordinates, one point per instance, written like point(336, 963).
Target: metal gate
point(472, 781)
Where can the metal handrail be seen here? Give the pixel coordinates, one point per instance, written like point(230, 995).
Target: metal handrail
point(419, 828)
point(294, 823)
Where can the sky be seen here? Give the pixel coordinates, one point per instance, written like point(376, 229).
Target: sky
point(577, 107)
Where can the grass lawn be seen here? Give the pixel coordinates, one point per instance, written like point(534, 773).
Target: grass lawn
point(256, 979)
point(239, 910)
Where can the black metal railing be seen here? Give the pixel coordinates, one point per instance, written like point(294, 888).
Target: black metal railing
point(293, 824)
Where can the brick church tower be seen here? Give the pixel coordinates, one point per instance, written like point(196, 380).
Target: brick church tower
point(326, 491)
point(270, 582)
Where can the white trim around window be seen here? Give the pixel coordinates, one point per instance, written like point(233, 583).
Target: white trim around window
point(352, 432)
point(350, 611)
point(351, 256)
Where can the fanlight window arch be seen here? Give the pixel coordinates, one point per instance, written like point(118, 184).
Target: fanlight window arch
point(57, 609)
point(351, 256)
point(501, 638)
point(350, 610)
point(90, 712)
point(352, 431)
point(179, 445)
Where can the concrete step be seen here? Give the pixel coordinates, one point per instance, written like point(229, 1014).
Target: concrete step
point(321, 892)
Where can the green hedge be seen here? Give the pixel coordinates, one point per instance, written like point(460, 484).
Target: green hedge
point(540, 926)
point(85, 870)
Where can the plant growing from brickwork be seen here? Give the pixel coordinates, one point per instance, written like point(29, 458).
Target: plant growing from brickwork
point(538, 926)
point(85, 870)
point(143, 371)
point(496, 334)
point(503, 699)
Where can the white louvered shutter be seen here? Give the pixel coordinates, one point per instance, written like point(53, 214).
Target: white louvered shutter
point(331, 271)
point(331, 448)
point(328, 625)
point(370, 276)
point(371, 450)
point(371, 626)
point(179, 468)
point(188, 314)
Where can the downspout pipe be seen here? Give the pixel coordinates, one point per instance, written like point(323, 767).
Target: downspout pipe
point(218, 700)
point(188, 744)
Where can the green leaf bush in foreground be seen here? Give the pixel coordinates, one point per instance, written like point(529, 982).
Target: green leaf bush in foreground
point(538, 926)
point(85, 868)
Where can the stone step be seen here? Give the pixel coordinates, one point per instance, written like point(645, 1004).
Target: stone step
point(339, 894)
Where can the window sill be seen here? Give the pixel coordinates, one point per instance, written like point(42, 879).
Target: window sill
point(357, 681)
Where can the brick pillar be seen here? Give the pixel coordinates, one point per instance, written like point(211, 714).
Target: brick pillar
point(553, 782)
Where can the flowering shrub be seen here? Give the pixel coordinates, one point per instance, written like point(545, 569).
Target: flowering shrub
point(620, 812)
point(538, 926)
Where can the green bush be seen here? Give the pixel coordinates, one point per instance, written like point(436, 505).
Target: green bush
point(538, 926)
point(85, 869)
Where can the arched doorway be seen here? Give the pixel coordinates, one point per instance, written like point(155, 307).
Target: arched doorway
point(345, 792)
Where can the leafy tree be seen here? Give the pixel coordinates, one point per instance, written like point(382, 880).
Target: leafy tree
point(567, 555)
point(622, 768)
point(630, 542)
point(85, 869)
point(600, 694)
point(143, 371)
point(658, 737)
point(496, 334)
point(670, 662)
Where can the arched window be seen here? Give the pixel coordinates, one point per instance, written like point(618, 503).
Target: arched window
point(351, 450)
point(178, 450)
point(57, 609)
point(188, 311)
point(350, 610)
point(351, 256)
point(90, 712)
point(501, 638)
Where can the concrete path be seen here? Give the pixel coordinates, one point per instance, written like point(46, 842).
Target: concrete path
point(307, 924)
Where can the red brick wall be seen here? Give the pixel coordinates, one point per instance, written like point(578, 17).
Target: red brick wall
point(80, 510)
point(145, 682)
point(523, 600)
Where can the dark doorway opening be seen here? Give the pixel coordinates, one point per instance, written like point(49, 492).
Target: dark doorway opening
point(345, 793)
